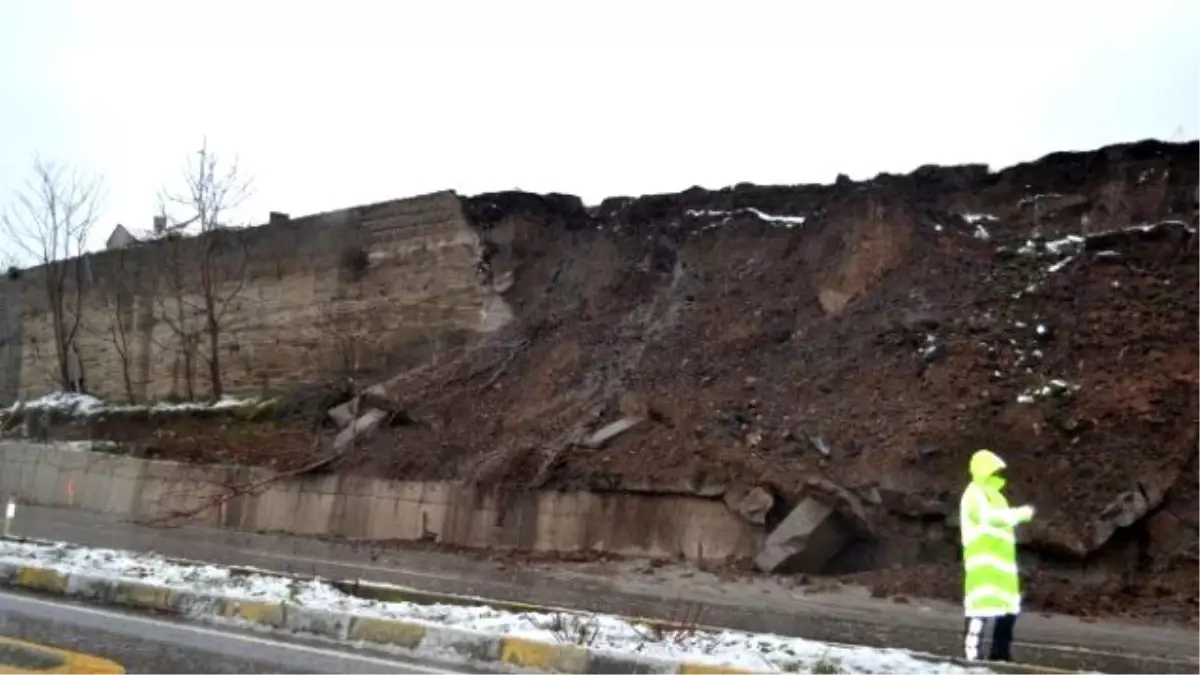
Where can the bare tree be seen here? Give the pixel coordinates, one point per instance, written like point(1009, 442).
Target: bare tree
point(216, 258)
point(49, 222)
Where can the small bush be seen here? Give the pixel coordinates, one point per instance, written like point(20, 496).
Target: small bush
point(572, 629)
point(827, 666)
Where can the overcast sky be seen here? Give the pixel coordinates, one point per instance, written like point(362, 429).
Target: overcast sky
point(333, 104)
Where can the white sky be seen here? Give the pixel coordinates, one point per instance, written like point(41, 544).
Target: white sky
point(333, 104)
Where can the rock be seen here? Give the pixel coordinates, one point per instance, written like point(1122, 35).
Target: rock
point(811, 535)
point(633, 405)
point(610, 431)
point(1167, 534)
point(870, 494)
point(342, 414)
point(1128, 508)
point(819, 444)
point(1052, 538)
point(365, 425)
point(752, 505)
point(912, 505)
point(832, 301)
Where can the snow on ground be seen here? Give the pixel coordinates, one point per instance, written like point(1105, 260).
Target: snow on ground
point(84, 404)
point(1055, 387)
point(774, 219)
point(61, 400)
point(1073, 244)
point(976, 218)
point(751, 651)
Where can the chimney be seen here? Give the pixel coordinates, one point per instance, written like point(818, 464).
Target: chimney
point(278, 218)
point(160, 224)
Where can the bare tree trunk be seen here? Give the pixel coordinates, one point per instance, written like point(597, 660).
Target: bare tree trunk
point(211, 323)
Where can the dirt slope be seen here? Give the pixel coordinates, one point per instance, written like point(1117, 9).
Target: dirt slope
point(1048, 311)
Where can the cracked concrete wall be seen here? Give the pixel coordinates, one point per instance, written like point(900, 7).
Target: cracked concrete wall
point(659, 526)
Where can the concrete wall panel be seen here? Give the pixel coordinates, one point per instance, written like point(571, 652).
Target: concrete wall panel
point(359, 507)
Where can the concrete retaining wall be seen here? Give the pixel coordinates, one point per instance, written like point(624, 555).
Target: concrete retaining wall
point(667, 526)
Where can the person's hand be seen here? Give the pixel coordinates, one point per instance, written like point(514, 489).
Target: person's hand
point(1025, 514)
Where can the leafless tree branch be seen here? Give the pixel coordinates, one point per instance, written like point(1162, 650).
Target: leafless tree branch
point(210, 189)
point(49, 220)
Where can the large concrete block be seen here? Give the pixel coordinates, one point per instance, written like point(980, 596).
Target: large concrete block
point(810, 536)
point(364, 426)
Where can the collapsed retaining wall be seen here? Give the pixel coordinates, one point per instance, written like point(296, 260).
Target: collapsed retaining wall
point(663, 526)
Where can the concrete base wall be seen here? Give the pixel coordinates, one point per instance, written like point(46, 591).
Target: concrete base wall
point(667, 526)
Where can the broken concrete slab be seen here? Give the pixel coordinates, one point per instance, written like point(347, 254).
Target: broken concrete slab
point(377, 396)
point(811, 535)
point(363, 426)
point(610, 431)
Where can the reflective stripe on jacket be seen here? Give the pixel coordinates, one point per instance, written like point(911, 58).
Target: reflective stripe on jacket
point(992, 586)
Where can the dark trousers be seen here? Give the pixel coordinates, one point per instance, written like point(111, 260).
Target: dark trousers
point(1002, 636)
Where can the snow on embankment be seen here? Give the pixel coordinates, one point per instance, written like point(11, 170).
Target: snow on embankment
point(752, 651)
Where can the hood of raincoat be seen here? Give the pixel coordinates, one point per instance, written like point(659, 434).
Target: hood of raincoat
point(985, 464)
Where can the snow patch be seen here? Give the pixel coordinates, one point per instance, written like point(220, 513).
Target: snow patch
point(86, 405)
point(1055, 387)
point(1037, 198)
point(1060, 264)
point(975, 218)
point(785, 221)
point(759, 652)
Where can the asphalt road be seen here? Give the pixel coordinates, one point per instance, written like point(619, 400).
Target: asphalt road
point(840, 615)
point(147, 644)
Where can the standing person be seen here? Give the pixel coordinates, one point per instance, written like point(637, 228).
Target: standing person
point(992, 587)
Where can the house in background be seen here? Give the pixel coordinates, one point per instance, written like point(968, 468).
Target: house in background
point(120, 238)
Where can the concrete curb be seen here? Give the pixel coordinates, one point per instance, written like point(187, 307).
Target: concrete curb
point(421, 639)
